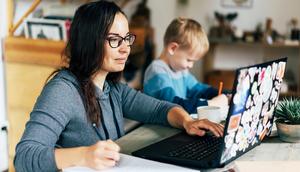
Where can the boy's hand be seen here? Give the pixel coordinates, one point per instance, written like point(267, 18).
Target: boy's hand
point(199, 127)
point(229, 97)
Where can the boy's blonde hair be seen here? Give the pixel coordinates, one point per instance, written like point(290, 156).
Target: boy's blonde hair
point(188, 33)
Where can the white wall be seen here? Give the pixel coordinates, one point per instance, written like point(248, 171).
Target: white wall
point(162, 13)
point(3, 117)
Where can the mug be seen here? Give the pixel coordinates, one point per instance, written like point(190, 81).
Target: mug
point(212, 113)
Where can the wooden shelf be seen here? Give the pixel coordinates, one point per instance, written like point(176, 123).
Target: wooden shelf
point(261, 44)
point(39, 52)
point(282, 45)
point(289, 94)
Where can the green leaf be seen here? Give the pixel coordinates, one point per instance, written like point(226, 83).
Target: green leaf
point(288, 110)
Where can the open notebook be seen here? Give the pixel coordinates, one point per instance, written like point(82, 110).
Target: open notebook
point(133, 164)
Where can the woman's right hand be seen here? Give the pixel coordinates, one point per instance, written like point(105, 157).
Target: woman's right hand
point(103, 154)
point(201, 126)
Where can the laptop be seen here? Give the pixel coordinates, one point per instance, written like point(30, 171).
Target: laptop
point(250, 118)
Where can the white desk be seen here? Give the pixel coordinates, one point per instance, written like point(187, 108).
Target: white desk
point(271, 155)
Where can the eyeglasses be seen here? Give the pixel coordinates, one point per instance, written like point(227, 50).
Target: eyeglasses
point(116, 40)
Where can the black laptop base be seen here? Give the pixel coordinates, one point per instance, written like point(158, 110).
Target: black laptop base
point(166, 151)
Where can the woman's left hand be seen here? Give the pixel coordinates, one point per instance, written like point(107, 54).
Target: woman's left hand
point(200, 127)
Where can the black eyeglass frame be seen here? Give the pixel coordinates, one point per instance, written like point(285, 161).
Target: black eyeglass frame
point(109, 39)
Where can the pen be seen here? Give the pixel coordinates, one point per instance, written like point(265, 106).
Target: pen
point(220, 88)
point(99, 135)
point(117, 163)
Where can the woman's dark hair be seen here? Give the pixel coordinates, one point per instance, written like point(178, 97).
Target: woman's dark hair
point(85, 50)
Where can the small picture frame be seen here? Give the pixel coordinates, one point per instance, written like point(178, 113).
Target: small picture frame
point(38, 28)
point(237, 3)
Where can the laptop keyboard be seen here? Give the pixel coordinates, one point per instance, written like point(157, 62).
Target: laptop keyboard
point(198, 149)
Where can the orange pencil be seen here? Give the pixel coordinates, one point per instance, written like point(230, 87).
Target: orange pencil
point(220, 88)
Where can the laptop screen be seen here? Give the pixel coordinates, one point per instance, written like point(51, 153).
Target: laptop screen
point(250, 117)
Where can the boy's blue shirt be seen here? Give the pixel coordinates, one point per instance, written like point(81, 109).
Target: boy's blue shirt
point(179, 87)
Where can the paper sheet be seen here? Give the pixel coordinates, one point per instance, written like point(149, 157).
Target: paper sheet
point(133, 164)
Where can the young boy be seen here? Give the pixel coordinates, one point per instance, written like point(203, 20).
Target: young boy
point(168, 78)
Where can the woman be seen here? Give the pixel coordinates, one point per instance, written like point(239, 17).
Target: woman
point(81, 109)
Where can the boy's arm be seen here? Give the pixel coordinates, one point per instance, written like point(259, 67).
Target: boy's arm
point(161, 88)
point(190, 105)
point(200, 90)
point(168, 94)
point(203, 91)
point(208, 93)
point(197, 89)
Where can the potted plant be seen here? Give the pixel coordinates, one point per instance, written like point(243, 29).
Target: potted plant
point(288, 120)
